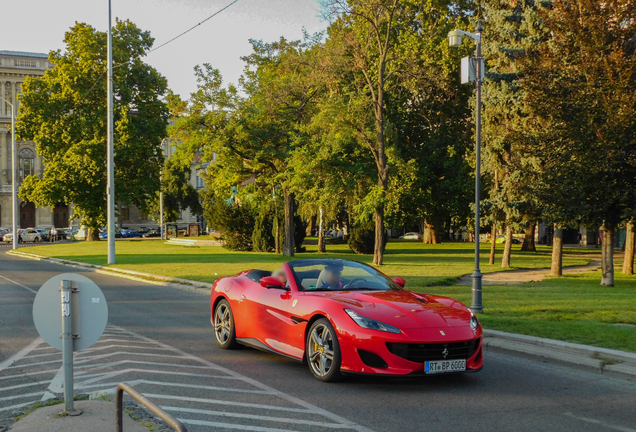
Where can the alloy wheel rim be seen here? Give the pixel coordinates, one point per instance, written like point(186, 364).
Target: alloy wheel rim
point(321, 350)
point(222, 323)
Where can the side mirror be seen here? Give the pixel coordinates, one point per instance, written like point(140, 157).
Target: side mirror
point(398, 280)
point(272, 282)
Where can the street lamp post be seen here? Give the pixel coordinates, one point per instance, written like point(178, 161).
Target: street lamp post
point(110, 150)
point(14, 186)
point(474, 73)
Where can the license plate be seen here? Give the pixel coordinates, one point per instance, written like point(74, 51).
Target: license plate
point(444, 366)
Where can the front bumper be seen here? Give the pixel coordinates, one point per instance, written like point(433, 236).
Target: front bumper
point(352, 347)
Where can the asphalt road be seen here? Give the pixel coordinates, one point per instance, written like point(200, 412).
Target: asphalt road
point(167, 332)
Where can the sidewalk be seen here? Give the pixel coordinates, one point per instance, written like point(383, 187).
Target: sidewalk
point(604, 361)
point(526, 275)
point(97, 416)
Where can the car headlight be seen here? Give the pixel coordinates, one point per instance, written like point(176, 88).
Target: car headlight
point(474, 322)
point(371, 324)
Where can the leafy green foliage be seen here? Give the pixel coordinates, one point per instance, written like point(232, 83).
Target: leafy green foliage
point(234, 222)
point(362, 238)
point(64, 112)
point(262, 236)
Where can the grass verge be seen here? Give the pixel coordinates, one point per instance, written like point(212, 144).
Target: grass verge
point(422, 265)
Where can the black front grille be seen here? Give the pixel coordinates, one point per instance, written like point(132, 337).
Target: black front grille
point(439, 351)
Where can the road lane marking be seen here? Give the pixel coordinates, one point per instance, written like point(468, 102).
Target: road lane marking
point(19, 284)
point(312, 408)
point(107, 375)
point(21, 396)
point(20, 354)
point(169, 384)
point(234, 426)
point(258, 417)
point(22, 386)
point(600, 423)
point(227, 402)
point(9, 408)
point(29, 374)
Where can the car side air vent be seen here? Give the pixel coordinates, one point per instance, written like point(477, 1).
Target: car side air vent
point(421, 300)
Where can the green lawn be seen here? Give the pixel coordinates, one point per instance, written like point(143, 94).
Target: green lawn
point(572, 308)
point(422, 265)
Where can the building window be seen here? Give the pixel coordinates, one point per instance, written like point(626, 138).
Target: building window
point(143, 215)
point(26, 163)
point(200, 182)
point(24, 63)
point(125, 213)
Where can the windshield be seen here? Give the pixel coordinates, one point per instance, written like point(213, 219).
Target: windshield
point(338, 275)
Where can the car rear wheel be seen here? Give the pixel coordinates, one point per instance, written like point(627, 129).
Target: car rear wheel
point(323, 351)
point(224, 326)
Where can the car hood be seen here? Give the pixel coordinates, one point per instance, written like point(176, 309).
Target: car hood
point(404, 309)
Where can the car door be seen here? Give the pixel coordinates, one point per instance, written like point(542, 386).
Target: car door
point(271, 323)
point(29, 235)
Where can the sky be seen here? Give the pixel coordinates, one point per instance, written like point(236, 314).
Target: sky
point(39, 26)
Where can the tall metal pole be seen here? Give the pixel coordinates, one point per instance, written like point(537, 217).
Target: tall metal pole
point(110, 190)
point(161, 189)
point(14, 183)
point(161, 207)
point(67, 347)
point(476, 305)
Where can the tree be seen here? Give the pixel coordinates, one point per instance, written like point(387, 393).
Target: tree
point(64, 113)
point(581, 85)
point(511, 30)
point(365, 30)
point(178, 193)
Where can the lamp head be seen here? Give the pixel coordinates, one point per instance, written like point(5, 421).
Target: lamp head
point(455, 38)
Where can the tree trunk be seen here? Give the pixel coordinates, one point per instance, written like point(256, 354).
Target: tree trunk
point(429, 235)
point(92, 234)
point(493, 243)
point(628, 261)
point(607, 260)
point(321, 231)
point(276, 234)
point(505, 259)
point(378, 248)
point(557, 252)
point(288, 246)
point(528, 241)
point(311, 225)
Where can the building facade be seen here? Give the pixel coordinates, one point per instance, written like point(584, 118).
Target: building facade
point(15, 66)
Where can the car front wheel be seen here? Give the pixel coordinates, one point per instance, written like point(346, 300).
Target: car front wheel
point(224, 329)
point(323, 351)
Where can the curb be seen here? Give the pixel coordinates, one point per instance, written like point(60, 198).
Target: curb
point(604, 361)
point(172, 282)
point(620, 364)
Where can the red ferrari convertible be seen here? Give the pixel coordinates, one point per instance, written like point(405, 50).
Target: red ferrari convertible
point(345, 317)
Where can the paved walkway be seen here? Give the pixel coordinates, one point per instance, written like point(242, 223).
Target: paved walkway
point(529, 275)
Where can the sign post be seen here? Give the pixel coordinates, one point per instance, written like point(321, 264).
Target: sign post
point(75, 326)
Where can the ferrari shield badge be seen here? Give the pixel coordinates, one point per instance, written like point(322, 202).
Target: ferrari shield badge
point(294, 303)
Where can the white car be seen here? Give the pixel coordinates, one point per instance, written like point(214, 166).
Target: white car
point(26, 235)
point(411, 236)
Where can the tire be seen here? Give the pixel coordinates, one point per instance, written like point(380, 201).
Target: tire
point(224, 329)
point(37, 240)
point(322, 351)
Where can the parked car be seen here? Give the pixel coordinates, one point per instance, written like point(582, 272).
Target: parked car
point(502, 239)
point(129, 233)
point(25, 236)
point(103, 235)
point(3, 232)
point(45, 233)
point(411, 236)
point(152, 233)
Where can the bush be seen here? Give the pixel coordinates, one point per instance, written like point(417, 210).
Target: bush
point(235, 223)
point(262, 237)
point(362, 238)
